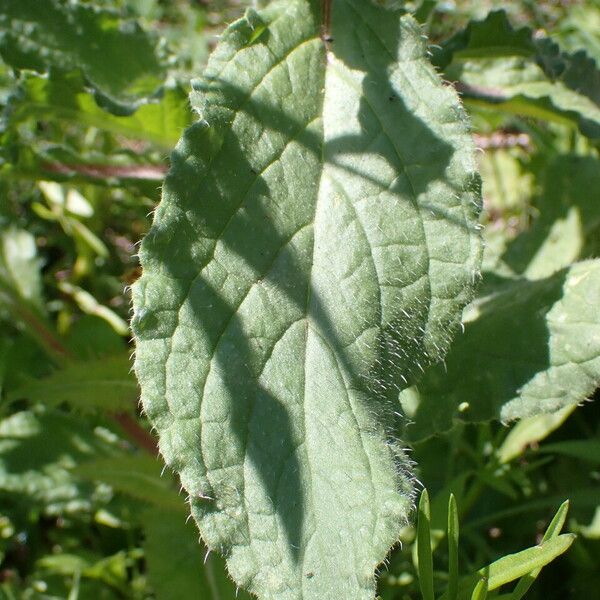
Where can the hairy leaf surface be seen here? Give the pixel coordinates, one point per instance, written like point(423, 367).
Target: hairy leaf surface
point(314, 248)
point(531, 348)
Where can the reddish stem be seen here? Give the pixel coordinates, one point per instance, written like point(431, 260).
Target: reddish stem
point(135, 432)
point(144, 172)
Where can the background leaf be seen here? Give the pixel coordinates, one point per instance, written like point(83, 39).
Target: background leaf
point(65, 96)
point(178, 566)
point(542, 336)
point(139, 476)
point(118, 58)
point(509, 69)
point(36, 452)
point(101, 384)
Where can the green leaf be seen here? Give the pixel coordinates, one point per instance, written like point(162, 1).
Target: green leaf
point(21, 301)
point(552, 531)
point(177, 565)
point(63, 96)
point(95, 384)
point(592, 531)
point(117, 58)
point(37, 452)
point(20, 279)
point(557, 523)
point(313, 250)
point(138, 476)
point(580, 29)
point(568, 227)
point(453, 532)
point(88, 304)
point(581, 497)
point(531, 430)
point(586, 450)
point(92, 337)
point(481, 590)
point(531, 348)
point(424, 552)
point(111, 570)
point(507, 184)
point(513, 566)
point(508, 69)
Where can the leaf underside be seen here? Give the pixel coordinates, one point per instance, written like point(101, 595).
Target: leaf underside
point(314, 248)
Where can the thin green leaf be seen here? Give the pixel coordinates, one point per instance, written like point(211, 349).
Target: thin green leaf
point(453, 529)
point(557, 523)
point(553, 530)
point(582, 497)
point(74, 591)
point(89, 305)
point(511, 567)
point(424, 552)
point(586, 450)
point(531, 430)
point(592, 531)
point(480, 591)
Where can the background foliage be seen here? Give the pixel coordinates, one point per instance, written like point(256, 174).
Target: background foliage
point(85, 511)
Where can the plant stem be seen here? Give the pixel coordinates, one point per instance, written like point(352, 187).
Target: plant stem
point(135, 432)
point(143, 172)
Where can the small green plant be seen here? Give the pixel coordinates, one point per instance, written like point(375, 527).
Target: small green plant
point(336, 297)
point(523, 566)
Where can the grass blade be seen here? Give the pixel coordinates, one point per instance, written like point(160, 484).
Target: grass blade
point(551, 532)
point(513, 566)
point(452, 549)
point(424, 554)
point(481, 590)
point(557, 522)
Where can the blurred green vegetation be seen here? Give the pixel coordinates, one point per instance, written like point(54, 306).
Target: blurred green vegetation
point(85, 510)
